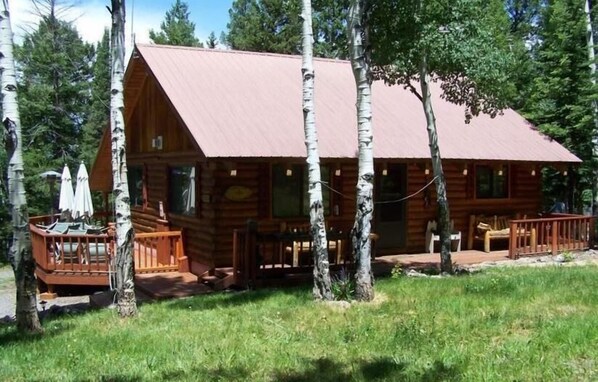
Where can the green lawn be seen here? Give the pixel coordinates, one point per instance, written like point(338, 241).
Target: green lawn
point(504, 325)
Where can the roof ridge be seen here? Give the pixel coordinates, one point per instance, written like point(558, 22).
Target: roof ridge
point(233, 51)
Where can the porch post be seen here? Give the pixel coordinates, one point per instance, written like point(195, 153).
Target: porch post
point(555, 238)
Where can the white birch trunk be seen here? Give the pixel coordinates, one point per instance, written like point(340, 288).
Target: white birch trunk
point(364, 290)
point(20, 254)
point(592, 60)
point(446, 264)
point(322, 285)
point(125, 287)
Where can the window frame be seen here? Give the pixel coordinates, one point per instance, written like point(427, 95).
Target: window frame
point(492, 175)
point(142, 169)
point(170, 168)
point(300, 170)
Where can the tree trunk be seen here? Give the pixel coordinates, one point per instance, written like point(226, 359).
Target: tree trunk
point(125, 268)
point(364, 290)
point(444, 219)
point(322, 285)
point(592, 61)
point(20, 254)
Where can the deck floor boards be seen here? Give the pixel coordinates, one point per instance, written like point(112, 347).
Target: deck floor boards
point(170, 285)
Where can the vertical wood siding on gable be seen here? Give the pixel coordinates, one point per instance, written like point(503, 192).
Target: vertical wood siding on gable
point(153, 117)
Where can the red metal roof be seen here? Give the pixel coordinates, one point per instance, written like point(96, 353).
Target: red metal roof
point(240, 104)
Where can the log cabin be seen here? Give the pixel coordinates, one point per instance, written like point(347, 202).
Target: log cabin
point(215, 138)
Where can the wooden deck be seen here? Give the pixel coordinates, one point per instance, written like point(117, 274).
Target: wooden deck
point(383, 264)
point(170, 285)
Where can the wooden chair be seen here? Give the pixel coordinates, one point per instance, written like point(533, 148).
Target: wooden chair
point(433, 236)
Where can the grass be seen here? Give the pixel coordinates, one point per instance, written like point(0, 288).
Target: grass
point(518, 324)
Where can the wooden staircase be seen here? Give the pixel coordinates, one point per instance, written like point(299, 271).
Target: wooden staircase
point(218, 279)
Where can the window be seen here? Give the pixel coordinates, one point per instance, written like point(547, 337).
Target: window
point(289, 190)
point(182, 190)
point(135, 181)
point(492, 182)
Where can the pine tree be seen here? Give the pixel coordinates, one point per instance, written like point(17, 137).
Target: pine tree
point(523, 17)
point(212, 41)
point(560, 104)
point(176, 29)
point(275, 26)
point(54, 95)
point(99, 113)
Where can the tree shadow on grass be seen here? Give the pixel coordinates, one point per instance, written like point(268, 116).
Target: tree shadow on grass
point(381, 369)
point(236, 298)
point(10, 335)
point(322, 370)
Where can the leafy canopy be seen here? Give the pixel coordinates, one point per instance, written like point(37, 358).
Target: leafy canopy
point(464, 42)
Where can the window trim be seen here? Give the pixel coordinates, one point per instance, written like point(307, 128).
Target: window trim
point(507, 177)
point(303, 170)
point(169, 168)
point(144, 191)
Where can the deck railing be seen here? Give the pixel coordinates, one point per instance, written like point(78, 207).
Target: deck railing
point(258, 256)
point(79, 255)
point(74, 253)
point(158, 251)
point(551, 234)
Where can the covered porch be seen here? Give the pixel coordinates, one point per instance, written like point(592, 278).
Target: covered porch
point(261, 258)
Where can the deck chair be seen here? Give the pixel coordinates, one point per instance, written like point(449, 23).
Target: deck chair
point(97, 253)
point(67, 252)
point(433, 236)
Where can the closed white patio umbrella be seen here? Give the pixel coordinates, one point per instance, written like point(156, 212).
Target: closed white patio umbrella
point(67, 196)
point(83, 206)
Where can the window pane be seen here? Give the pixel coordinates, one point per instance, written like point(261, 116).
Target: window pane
point(483, 182)
point(181, 193)
point(500, 185)
point(286, 191)
point(289, 192)
point(135, 181)
point(491, 185)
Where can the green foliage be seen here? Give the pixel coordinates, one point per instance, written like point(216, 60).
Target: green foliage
point(464, 43)
point(524, 16)
point(54, 94)
point(343, 286)
point(543, 329)
point(265, 26)
point(275, 26)
point(568, 257)
point(99, 111)
point(397, 271)
point(212, 41)
point(560, 101)
point(176, 29)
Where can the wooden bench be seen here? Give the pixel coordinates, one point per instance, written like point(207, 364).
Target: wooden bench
point(490, 228)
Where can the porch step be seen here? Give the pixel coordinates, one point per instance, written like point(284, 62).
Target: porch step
point(222, 278)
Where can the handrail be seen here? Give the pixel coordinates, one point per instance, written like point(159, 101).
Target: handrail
point(72, 253)
point(84, 253)
point(558, 233)
point(158, 251)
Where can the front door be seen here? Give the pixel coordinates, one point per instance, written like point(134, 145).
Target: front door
point(389, 214)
